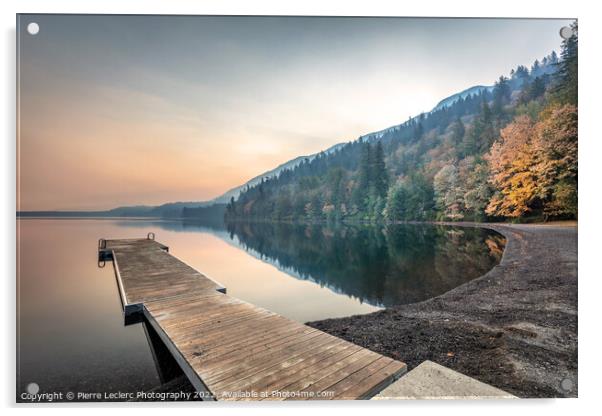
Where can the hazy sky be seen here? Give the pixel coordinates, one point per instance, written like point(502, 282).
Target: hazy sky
point(123, 110)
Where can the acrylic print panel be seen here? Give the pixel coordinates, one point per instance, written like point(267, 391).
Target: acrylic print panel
point(292, 208)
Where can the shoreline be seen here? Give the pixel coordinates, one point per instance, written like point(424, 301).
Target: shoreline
point(515, 327)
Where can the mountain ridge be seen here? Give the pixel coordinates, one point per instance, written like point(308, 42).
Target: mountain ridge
point(170, 209)
point(174, 209)
point(368, 137)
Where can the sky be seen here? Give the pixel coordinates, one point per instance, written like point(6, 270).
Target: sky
point(143, 110)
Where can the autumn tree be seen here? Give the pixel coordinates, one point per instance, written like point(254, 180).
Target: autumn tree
point(448, 194)
point(511, 160)
point(474, 179)
point(556, 146)
point(459, 161)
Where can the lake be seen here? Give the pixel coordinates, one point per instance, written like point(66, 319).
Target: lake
point(71, 335)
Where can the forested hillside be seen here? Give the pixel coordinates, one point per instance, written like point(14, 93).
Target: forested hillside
point(509, 152)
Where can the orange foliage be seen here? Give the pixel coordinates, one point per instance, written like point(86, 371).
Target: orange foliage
point(511, 159)
point(556, 145)
point(536, 165)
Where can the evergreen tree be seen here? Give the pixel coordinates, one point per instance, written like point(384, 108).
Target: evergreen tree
point(537, 88)
point(299, 203)
point(567, 74)
point(487, 130)
point(481, 134)
point(530, 171)
point(458, 131)
point(522, 75)
point(364, 178)
point(395, 209)
point(471, 139)
point(315, 208)
point(419, 128)
point(420, 205)
point(283, 209)
point(532, 90)
point(379, 175)
point(501, 96)
point(231, 208)
point(335, 182)
point(535, 68)
point(378, 208)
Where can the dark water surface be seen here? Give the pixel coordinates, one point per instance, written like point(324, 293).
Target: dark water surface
point(71, 336)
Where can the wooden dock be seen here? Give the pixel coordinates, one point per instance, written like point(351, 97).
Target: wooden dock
point(231, 349)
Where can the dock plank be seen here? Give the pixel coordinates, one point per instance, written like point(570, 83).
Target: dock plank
point(231, 349)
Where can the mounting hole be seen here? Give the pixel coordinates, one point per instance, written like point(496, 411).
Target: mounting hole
point(566, 32)
point(33, 388)
point(33, 28)
point(566, 385)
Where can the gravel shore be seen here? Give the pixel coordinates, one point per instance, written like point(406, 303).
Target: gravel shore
point(514, 327)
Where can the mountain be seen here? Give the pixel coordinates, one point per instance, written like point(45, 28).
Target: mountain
point(291, 164)
point(439, 165)
point(174, 209)
point(235, 192)
point(168, 210)
point(476, 90)
point(458, 127)
point(369, 138)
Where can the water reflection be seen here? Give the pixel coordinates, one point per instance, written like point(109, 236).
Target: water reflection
point(70, 333)
point(219, 255)
point(70, 328)
point(381, 266)
point(378, 265)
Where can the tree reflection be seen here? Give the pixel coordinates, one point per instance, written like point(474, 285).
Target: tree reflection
point(382, 266)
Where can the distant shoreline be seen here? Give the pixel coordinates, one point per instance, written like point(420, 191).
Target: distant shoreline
point(74, 215)
point(83, 217)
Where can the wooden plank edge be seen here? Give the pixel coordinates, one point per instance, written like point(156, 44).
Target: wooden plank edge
point(203, 391)
point(132, 312)
point(385, 383)
point(161, 246)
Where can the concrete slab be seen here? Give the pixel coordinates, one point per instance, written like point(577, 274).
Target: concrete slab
point(433, 381)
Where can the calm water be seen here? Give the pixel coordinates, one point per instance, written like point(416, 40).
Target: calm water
point(71, 335)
